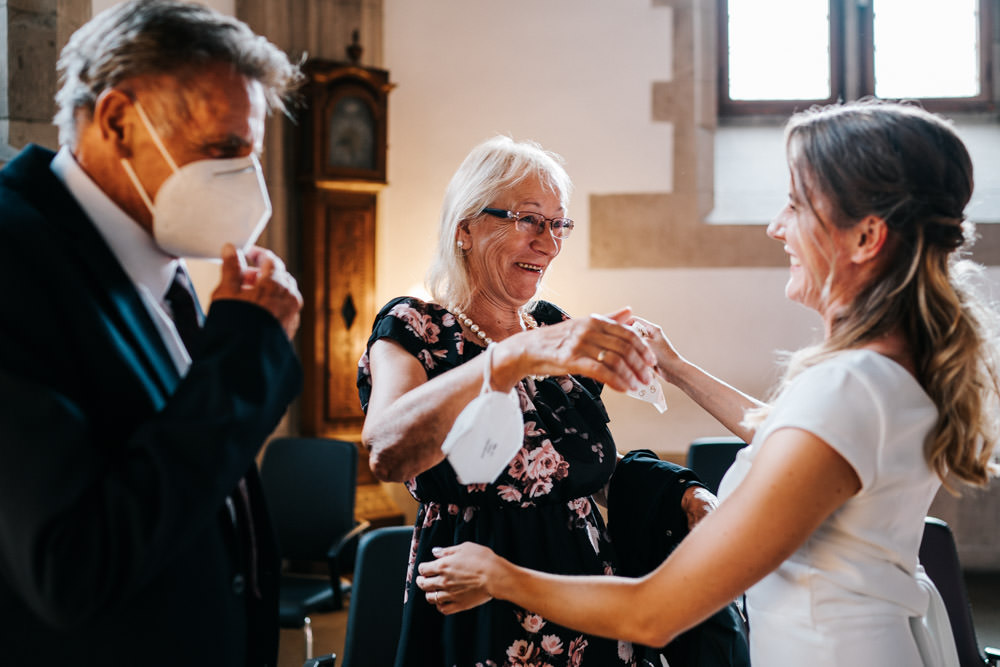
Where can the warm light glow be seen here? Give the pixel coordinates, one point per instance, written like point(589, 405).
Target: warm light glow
point(780, 49)
point(926, 48)
point(419, 291)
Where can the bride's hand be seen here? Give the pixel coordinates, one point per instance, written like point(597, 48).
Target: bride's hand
point(667, 357)
point(458, 578)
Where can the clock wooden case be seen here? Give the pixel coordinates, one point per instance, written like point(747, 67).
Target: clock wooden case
point(342, 168)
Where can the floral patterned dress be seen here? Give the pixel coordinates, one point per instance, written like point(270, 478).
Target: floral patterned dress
point(538, 513)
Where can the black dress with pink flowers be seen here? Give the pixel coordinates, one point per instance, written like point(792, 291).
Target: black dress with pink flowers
point(538, 513)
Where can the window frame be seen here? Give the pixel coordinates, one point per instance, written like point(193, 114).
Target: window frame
point(852, 64)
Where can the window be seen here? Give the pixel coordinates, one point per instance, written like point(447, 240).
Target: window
point(777, 56)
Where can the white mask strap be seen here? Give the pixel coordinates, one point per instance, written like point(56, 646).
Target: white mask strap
point(488, 370)
point(155, 136)
point(130, 172)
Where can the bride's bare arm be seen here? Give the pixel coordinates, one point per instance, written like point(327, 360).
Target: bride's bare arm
point(796, 482)
point(721, 400)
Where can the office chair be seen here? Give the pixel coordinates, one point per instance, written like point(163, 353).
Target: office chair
point(710, 458)
point(375, 614)
point(939, 557)
point(310, 488)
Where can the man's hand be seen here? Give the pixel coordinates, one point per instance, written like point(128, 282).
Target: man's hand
point(260, 278)
point(697, 502)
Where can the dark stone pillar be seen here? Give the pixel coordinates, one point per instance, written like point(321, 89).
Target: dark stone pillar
point(32, 32)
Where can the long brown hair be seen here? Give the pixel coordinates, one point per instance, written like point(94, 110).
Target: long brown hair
point(909, 168)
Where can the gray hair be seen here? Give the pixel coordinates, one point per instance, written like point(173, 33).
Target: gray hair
point(156, 37)
point(490, 170)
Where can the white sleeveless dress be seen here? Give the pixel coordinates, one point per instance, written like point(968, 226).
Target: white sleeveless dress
point(854, 594)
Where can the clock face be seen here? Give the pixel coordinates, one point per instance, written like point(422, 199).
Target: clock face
point(351, 133)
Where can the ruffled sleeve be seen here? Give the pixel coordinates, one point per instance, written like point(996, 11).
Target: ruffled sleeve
point(425, 330)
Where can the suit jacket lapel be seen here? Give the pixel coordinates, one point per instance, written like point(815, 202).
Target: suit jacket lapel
point(113, 288)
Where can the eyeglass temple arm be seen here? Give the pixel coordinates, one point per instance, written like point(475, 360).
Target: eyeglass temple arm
point(499, 212)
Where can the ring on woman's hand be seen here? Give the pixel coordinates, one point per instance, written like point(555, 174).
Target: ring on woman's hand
point(600, 356)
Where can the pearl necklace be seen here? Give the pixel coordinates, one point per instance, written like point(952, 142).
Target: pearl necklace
point(470, 325)
point(528, 320)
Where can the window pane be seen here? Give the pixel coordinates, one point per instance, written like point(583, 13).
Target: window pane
point(926, 48)
point(779, 49)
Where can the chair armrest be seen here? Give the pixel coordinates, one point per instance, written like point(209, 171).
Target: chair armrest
point(352, 535)
point(340, 548)
point(992, 656)
point(340, 557)
point(328, 660)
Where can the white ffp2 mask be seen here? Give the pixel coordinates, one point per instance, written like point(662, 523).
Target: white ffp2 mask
point(486, 435)
point(206, 203)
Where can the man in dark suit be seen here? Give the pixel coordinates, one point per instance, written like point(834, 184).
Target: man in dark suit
point(132, 529)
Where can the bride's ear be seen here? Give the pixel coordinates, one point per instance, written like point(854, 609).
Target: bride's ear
point(868, 238)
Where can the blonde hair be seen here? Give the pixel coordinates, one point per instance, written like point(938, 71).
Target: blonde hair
point(909, 168)
point(491, 169)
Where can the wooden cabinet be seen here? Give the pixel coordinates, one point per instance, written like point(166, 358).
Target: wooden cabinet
point(339, 309)
point(342, 160)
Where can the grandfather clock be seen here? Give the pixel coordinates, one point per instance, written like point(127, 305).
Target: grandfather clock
point(342, 169)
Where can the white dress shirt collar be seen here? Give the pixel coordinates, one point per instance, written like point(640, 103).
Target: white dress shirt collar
point(132, 245)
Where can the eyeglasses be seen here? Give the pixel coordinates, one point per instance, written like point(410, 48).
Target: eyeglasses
point(560, 228)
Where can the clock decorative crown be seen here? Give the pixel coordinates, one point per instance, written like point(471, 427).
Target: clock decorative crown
point(344, 132)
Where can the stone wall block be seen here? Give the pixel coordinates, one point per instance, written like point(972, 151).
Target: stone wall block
point(32, 55)
point(4, 67)
point(33, 6)
point(41, 132)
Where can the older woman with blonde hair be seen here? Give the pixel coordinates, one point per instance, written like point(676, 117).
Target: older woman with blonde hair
point(503, 222)
point(822, 515)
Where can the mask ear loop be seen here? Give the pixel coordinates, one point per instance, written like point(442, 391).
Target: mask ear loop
point(130, 172)
point(155, 136)
point(127, 166)
point(487, 371)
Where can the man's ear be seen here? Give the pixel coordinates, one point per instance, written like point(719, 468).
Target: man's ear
point(114, 116)
point(868, 237)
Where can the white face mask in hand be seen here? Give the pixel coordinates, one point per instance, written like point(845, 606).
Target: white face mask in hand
point(486, 434)
point(206, 203)
point(651, 393)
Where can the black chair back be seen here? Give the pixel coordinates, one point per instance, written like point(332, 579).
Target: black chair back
point(710, 458)
point(375, 614)
point(310, 487)
point(939, 557)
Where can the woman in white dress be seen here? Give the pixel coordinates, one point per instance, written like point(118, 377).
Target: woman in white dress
point(822, 514)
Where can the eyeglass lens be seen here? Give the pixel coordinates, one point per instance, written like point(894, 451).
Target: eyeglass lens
point(532, 222)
